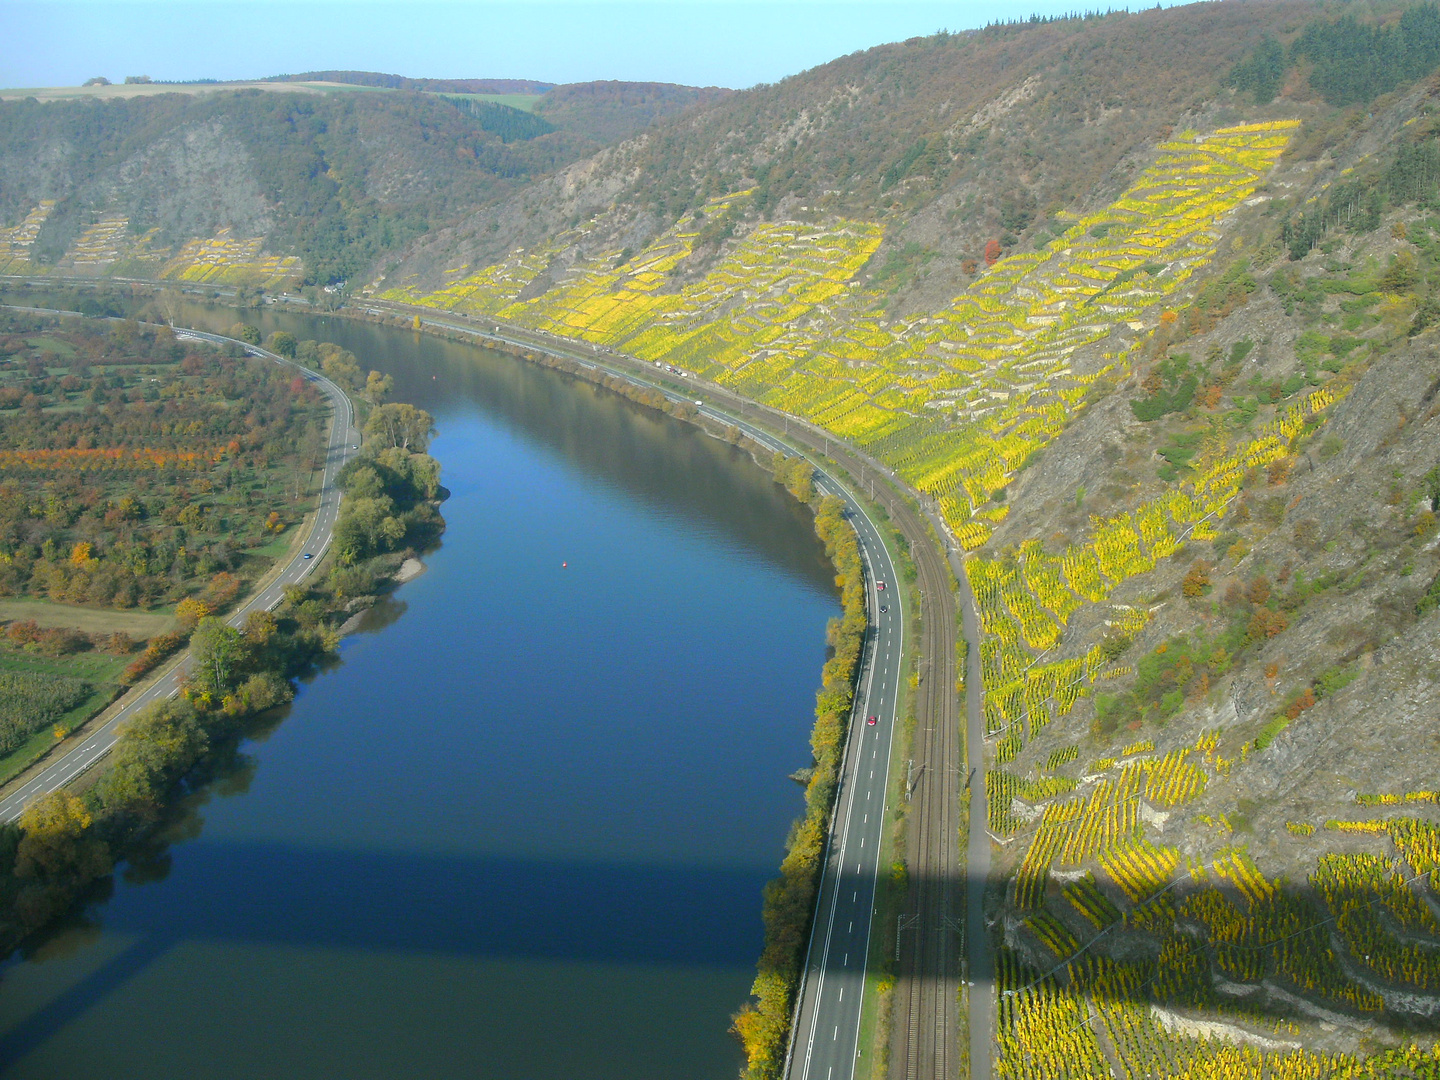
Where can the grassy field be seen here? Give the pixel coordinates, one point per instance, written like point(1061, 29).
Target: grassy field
point(138, 624)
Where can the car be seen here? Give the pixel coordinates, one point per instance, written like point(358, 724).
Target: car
point(870, 722)
point(307, 555)
point(879, 586)
point(884, 608)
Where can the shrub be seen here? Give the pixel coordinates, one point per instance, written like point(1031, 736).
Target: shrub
point(1197, 581)
point(1266, 624)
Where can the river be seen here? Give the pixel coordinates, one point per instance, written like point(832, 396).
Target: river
point(520, 829)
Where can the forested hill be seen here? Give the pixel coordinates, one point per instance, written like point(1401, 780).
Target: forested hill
point(274, 189)
point(609, 111)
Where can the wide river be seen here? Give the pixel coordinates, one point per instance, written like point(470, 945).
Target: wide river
point(521, 828)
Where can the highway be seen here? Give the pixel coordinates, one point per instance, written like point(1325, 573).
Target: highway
point(826, 1030)
point(61, 768)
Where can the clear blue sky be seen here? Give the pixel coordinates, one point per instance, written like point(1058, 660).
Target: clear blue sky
point(703, 42)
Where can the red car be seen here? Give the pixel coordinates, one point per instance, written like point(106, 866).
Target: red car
point(870, 722)
point(879, 586)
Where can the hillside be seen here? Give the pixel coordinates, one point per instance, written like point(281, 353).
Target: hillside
point(1143, 306)
point(275, 189)
point(610, 111)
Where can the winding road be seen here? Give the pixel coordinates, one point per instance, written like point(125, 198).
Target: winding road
point(60, 768)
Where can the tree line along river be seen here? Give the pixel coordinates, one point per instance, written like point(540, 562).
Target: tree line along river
point(521, 827)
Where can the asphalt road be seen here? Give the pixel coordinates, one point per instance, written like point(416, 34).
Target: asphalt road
point(824, 1042)
point(62, 768)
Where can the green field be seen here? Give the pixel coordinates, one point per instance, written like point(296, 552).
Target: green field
point(100, 669)
point(138, 624)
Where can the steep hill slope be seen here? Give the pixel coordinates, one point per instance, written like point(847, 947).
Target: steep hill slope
point(1185, 418)
point(609, 111)
point(272, 188)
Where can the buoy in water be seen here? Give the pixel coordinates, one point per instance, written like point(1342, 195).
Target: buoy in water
point(563, 565)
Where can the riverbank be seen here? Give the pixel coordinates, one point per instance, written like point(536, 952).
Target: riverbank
point(765, 1027)
point(672, 397)
point(86, 823)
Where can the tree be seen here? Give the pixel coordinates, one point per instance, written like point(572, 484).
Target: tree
point(1262, 72)
point(246, 333)
point(992, 252)
point(377, 387)
point(341, 366)
point(218, 650)
point(402, 426)
point(282, 343)
point(155, 749)
point(58, 847)
point(190, 611)
point(260, 627)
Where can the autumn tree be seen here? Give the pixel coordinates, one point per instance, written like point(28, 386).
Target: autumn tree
point(246, 333)
point(378, 387)
point(155, 749)
point(400, 425)
point(282, 343)
point(218, 651)
point(58, 847)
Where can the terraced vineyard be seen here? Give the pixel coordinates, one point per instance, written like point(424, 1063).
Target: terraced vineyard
point(953, 401)
point(109, 248)
point(1366, 932)
point(1027, 597)
point(16, 241)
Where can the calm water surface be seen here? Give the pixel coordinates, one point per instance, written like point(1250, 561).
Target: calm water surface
point(520, 829)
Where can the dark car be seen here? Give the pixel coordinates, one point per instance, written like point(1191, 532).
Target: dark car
point(308, 555)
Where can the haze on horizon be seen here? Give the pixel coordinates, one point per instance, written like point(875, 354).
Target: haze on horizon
point(733, 43)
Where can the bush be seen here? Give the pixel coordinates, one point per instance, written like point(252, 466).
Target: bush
point(156, 649)
point(1197, 581)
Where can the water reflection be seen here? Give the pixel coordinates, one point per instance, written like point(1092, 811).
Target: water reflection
point(521, 826)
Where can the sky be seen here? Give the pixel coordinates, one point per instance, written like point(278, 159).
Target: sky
point(735, 43)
